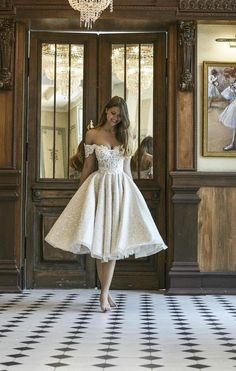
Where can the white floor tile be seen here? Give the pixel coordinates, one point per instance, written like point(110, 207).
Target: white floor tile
point(147, 330)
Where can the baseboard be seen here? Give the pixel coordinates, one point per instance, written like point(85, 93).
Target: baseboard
point(186, 279)
point(10, 277)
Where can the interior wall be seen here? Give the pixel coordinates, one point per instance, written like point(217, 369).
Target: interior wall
point(216, 231)
point(210, 50)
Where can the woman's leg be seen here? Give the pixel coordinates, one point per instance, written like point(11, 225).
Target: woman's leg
point(232, 145)
point(99, 269)
point(105, 275)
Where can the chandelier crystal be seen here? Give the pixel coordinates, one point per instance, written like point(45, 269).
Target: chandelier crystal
point(68, 69)
point(137, 60)
point(90, 10)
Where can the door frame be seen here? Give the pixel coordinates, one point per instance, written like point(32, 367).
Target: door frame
point(100, 99)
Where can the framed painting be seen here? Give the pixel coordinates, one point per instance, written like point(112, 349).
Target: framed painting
point(219, 109)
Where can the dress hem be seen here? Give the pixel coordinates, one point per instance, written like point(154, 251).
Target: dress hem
point(148, 248)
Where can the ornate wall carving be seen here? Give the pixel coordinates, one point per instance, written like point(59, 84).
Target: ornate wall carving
point(7, 39)
point(207, 6)
point(186, 43)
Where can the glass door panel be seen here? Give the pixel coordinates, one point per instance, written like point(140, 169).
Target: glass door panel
point(132, 79)
point(61, 128)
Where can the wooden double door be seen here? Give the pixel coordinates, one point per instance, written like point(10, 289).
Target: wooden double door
point(71, 77)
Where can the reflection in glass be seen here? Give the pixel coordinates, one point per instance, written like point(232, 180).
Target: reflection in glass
point(76, 162)
point(132, 89)
point(142, 160)
point(61, 108)
point(132, 75)
point(118, 70)
point(146, 111)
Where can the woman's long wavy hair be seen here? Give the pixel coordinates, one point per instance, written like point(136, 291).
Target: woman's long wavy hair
point(76, 161)
point(146, 146)
point(122, 128)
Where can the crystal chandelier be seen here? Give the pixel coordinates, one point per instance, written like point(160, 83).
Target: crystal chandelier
point(137, 60)
point(68, 68)
point(90, 10)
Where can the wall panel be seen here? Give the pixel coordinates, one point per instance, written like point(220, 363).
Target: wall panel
point(217, 229)
point(12, 169)
point(6, 129)
point(185, 131)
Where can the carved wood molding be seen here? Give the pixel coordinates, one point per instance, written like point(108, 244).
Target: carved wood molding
point(207, 6)
point(186, 44)
point(7, 42)
point(198, 179)
point(9, 179)
point(8, 195)
point(6, 5)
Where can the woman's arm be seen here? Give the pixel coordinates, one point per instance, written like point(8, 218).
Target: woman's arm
point(90, 161)
point(127, 169)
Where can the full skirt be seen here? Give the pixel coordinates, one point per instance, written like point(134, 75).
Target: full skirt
point(107, 218)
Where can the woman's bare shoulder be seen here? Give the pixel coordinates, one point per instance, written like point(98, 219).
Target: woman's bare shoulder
point(90, 136)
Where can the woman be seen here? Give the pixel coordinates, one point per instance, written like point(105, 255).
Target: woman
point(107, 217)
point(144, 155)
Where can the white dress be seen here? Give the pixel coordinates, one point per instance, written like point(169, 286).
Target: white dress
point(229, 93)
point(228, 116)
point(107, 217)
point(213, 92)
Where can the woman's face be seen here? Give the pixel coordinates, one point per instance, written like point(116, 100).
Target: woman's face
point(113, 116)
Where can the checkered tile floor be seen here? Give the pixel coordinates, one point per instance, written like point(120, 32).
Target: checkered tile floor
point(65, 330)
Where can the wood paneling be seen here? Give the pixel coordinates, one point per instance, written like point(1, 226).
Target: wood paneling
point(184, 274)
point(171, 134)
point(184, 179)
point(7, 222)
point(185, 137)
point(217, 229)
point(11, 173)
point(9, 198)
point(70, 268)
point(6, 129)
point(204, 233)
point(130, 15)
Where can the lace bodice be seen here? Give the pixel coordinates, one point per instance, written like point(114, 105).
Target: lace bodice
point(109, 160)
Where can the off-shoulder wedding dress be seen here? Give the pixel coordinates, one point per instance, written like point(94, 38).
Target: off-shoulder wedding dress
point(107, 217)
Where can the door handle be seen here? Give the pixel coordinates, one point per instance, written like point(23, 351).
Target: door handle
point(36, 195)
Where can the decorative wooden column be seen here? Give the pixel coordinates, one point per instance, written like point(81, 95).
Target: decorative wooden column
point(186, 135)
point(7, 42)
point(185, 274)
point(12, 75)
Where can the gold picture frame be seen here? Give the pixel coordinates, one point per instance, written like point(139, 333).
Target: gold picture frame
point(219, 109)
